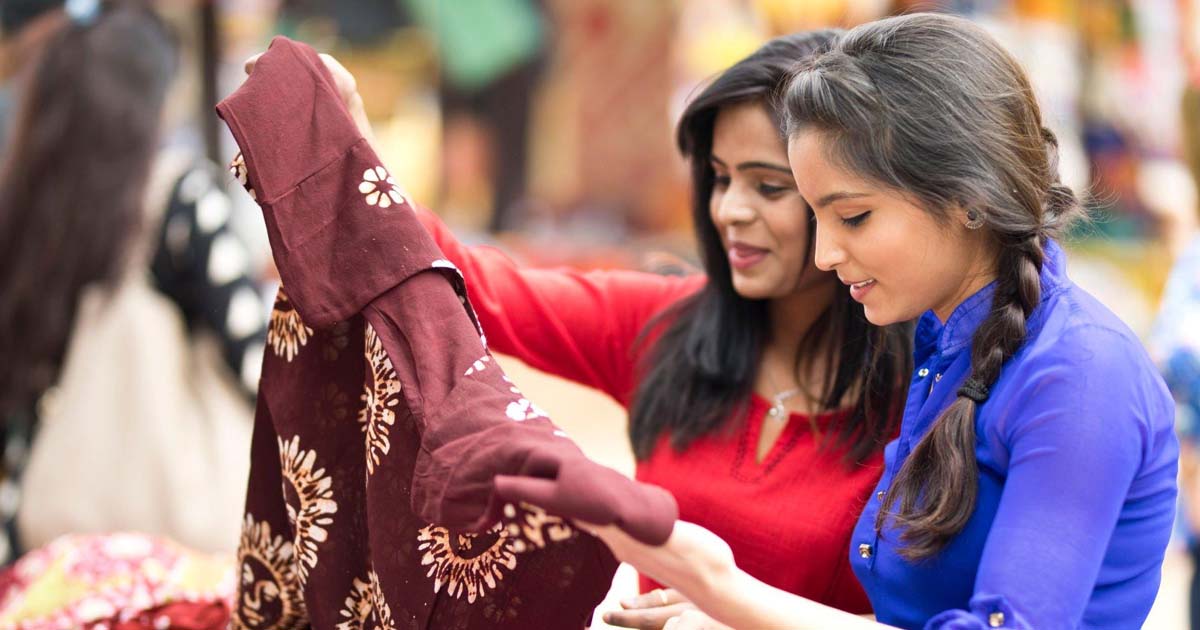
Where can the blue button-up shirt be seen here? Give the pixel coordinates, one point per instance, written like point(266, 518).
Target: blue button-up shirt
point(1077, 461)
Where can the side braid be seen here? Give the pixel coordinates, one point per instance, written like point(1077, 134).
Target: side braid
point(929, 519)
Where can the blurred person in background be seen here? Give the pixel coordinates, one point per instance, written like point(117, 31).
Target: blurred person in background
point(130, 330)
point(758, 393)
point(492, 53)
point(1175, 339)
point(23, 26)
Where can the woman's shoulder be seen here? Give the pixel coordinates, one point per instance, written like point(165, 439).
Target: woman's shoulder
point(1082, 359)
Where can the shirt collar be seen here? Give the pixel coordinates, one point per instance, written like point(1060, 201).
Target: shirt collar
point(957, 332)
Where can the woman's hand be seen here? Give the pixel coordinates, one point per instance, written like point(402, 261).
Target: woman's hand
point(347, 88)
point(693, 560)
point(694, 620)
point(649, 611)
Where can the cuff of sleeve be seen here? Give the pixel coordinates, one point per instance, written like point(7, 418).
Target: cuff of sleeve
point(290, 109)
point(341, 232)
point(986, 612)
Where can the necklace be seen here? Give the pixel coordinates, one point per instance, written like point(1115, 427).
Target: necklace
point(777, 411)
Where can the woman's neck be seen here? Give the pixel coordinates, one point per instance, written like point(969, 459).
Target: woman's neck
point(781, 368)
point(793, 315)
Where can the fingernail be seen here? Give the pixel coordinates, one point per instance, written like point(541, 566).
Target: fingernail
point(607, 617)
point(628, 603)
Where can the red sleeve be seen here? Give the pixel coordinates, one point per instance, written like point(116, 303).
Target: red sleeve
point(580, 325)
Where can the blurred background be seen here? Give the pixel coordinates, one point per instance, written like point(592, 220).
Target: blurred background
point(546, 126)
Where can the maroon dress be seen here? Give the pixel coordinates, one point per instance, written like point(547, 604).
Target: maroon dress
point(382, 418)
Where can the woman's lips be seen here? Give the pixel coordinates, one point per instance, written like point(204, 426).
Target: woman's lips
point(743, 256)
point(859, 290)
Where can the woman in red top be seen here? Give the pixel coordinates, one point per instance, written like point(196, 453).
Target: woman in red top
point(758, 394)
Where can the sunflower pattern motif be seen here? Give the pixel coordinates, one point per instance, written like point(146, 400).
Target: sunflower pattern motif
point(310, 504)
point(381, 397)
point(380, 188)
point(268, 595)
point(365, 607)
point(238, 169)
point(286, 333)
point(467, 565)
point(532, 528)
point(473, 565)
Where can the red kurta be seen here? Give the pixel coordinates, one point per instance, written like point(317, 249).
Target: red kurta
point(788, 519)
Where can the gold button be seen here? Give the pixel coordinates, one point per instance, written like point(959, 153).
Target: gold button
point(996, 619)
point(864, 550)
point(879, 495)
point(923, 372)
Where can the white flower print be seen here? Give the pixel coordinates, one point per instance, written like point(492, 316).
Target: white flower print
point(380, 188)
point(522, 408)
point(478, 366)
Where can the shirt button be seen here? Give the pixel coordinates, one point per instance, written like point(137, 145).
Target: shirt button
point(996, 619)
point(923, 372)
point(864, 551)
point(937, 378)
point(879, 495)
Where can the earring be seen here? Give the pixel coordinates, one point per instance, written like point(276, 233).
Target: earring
point(974, 219)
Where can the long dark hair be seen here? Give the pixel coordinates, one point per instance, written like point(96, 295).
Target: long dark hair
point(702, 368)
point(933, 106)
point(72, 181)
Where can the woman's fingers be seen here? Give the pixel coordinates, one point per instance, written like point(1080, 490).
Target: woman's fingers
point(693, 619)
point(346, 85)
point(249, 64)
point(645, 618)
point(652, 599)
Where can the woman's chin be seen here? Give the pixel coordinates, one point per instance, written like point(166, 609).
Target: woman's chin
point(752, 290)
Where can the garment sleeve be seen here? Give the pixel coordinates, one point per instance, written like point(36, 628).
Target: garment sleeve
point(334, 216)
point(580, 325)
point(1076, 437)
point(476, 424)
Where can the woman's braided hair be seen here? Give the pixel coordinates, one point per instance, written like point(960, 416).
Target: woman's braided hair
point(933, 106)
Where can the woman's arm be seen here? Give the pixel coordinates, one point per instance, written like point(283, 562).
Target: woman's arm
point(580, 325)
point(700, 566)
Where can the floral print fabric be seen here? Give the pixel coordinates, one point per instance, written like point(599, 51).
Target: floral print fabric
point(381, 417)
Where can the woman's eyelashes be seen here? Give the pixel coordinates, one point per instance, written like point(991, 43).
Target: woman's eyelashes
point(856, 220)
point(771, 191)
point(766, 190)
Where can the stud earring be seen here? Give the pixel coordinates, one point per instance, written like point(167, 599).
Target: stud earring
point(974, 219)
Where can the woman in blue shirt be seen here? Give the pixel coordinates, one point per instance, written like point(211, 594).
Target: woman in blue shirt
point(1033, 481)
